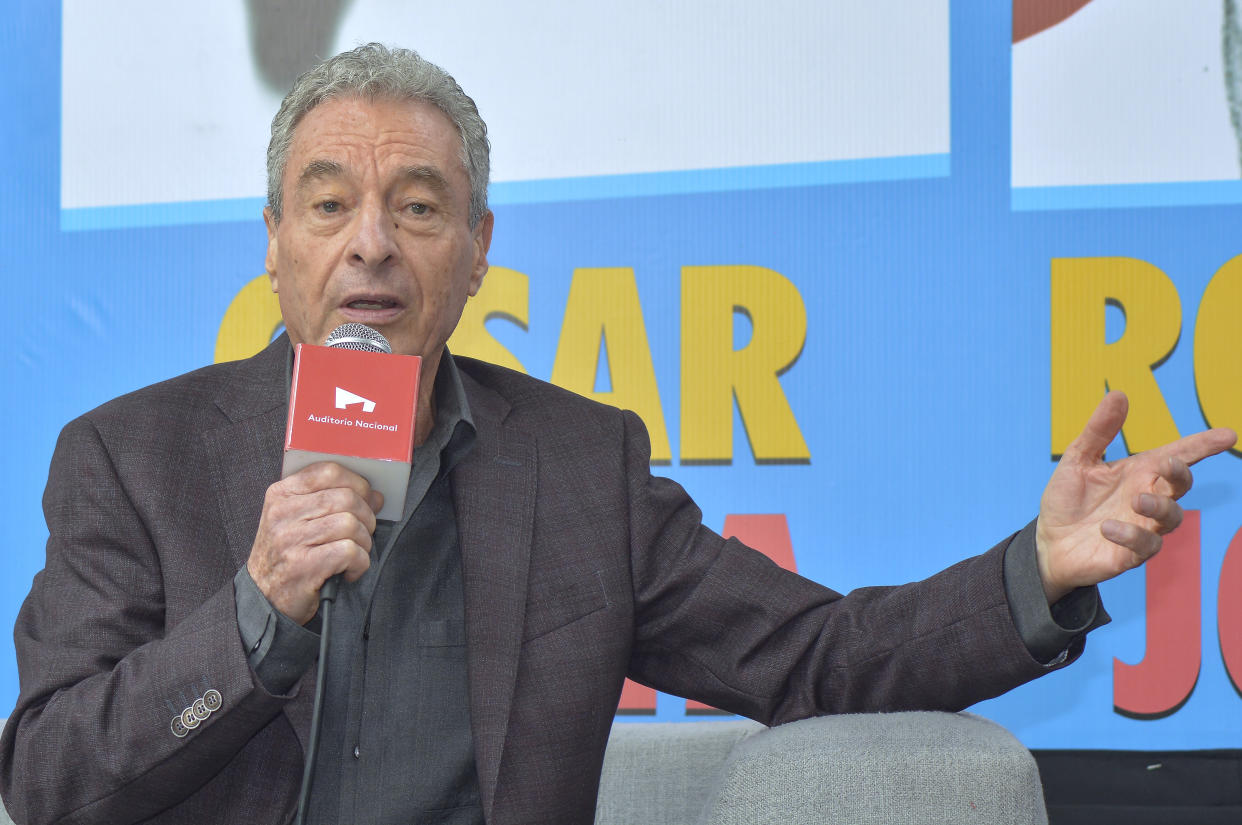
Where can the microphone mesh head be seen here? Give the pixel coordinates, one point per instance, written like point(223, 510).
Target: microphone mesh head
point(359, 337)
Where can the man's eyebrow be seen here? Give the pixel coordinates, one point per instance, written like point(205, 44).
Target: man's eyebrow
point(319, 169)
point(428, 175)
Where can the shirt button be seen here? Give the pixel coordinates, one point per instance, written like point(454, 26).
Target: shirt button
point(357, 752)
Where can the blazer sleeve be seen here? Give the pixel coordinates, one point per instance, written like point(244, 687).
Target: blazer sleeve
point(719, 622)
point(103, 674)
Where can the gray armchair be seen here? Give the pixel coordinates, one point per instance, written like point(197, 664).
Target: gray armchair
point(858, 769)
point(865, 769)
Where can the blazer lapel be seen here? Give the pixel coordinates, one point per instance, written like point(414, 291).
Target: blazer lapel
point(244, 452)
point(243, 459)
point(494, 498)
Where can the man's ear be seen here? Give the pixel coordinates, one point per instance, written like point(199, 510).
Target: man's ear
point(269, 262)
point(482, 243)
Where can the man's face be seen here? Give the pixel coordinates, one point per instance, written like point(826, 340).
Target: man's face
point(376, 226)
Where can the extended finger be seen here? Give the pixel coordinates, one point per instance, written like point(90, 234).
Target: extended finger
point(1102, 427)
point(1163, 510)
point(1142, 543)
point(1194, 448)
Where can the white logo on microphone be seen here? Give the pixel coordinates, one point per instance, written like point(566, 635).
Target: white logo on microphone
point(345, 398)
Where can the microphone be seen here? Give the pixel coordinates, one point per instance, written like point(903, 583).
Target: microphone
point(354, 402)
point(358, 337)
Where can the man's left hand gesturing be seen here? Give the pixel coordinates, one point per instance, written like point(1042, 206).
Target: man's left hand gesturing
point(1097, 519)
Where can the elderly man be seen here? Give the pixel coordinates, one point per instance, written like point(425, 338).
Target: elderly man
point(168, 649)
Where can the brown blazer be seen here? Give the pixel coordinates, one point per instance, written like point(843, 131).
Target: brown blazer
point(580, 568)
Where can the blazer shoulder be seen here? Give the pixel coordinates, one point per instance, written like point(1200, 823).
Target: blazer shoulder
point(226, 391)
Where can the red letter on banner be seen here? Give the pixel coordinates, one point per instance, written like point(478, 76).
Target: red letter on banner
point(636, 699)
point(1163, 681)
point(1229, 611)
point(767, 533)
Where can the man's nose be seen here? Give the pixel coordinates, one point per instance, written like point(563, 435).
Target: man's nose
point(373, 242)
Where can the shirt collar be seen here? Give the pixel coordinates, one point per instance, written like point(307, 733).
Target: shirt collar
point(453, 433)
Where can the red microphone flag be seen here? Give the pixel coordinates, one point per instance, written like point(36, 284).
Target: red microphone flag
point(357, 409)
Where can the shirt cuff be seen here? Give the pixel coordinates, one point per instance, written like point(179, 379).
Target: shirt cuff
point(278, 649)
point(1053, 634)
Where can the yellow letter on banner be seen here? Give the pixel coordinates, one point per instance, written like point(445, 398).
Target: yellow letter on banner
point(249, 321)
point(603, 304)
point(713, 373)
point(505, 294)
point(1083, 363)
point(1218, 367)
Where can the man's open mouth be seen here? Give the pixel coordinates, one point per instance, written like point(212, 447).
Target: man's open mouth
point(372, 303)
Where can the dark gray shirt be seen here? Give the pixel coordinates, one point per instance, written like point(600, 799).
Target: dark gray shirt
point(395, 743)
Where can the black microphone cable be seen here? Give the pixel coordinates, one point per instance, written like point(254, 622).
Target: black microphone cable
point(327, 598)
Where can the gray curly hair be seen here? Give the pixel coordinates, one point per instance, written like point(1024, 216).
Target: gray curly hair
point(375, 72)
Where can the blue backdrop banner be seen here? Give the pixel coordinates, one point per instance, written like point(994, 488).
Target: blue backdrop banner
point(862, 267)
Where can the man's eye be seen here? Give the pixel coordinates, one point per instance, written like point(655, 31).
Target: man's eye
point(418, 208)
point(330, 207)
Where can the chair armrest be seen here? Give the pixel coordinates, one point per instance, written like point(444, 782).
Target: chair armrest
point(877, 769)
point(660, 773)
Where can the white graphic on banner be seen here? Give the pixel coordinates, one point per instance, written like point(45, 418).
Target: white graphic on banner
point(1124, 91)
point(176, 110)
